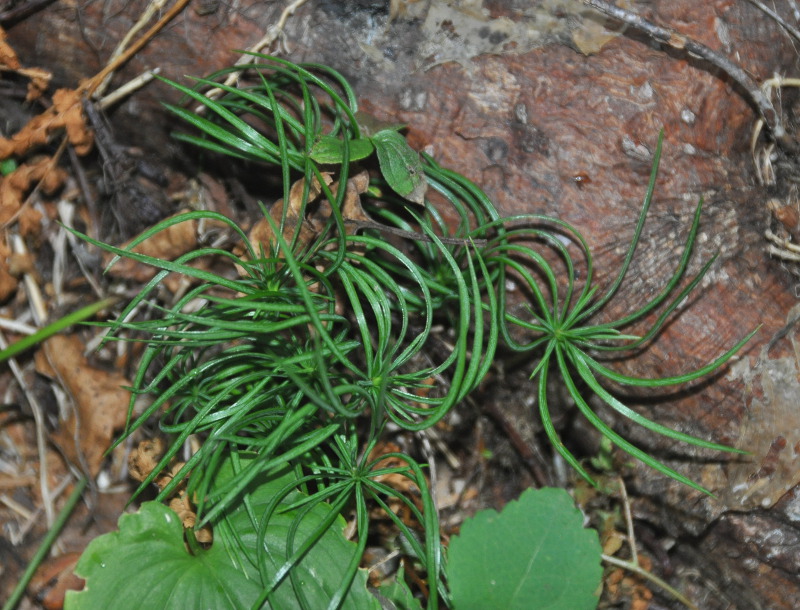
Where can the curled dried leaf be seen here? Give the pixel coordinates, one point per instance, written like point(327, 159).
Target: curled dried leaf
point(263, 237)
point(101, 403)
point(396, 480)
point(187, 513)
point(309, 225)
point(8, 283)
point(38, 83)
point(15, 185)
point(167, 244)
point(8, 58)
point(68, 104)
point(143, 460)
point(65, 113)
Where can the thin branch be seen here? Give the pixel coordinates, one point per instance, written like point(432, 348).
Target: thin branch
point(272, 34)
point(41, 440)
point(91, 85)
point(781, 21)
point(155, 7)
point(628, 521)
point(682, 42)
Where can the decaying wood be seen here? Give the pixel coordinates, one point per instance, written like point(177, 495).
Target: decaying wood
point(682, 42)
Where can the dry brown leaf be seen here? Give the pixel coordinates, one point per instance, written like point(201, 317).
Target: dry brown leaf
point(68, 103)
point(168, 244)
point(53, 578)
point(65, 113)
point(143, 461)
point(29, 222)
point(262, 236)
point(144, 458)
point(8, 58)
point(351, 207)
point(8, 283)
point(38, 83)
point(395, 480)
point(15, 185)
point(101, 403)
point(187, 513)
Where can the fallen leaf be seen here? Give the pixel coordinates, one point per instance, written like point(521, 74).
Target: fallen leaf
point(168, 244)
point(187, 513)
point(53, 579)
point(8, 283)
point(38, 82)
point(100, 402)
point(65, 113)
point(14, 186)
point(68, 105)
point(351, 207)
point(8, 58)
point(29, 222)
point(395, 480)
point(262, 237)
point(143, 460)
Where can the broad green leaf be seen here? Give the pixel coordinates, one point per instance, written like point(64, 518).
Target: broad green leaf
point(401, 165)
point(146, 565)
point(534, 554)
point(320, 572)
point(330, 149)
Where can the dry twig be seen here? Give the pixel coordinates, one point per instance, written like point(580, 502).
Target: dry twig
point(41, 440)
point(780, 20)
point(271, 36)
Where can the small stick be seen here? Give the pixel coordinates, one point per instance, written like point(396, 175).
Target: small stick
point(682, 42)
point(35, 298)
point(271, 36)
point(155, 7)
point(626, 505)
point(91, 85)
point(41, 441)
point(128, 88)
point(781, 21)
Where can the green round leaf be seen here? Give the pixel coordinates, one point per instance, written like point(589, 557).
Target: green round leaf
point(400, 165)
point(146, 565)
point(534, 554)
point(330, 150)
